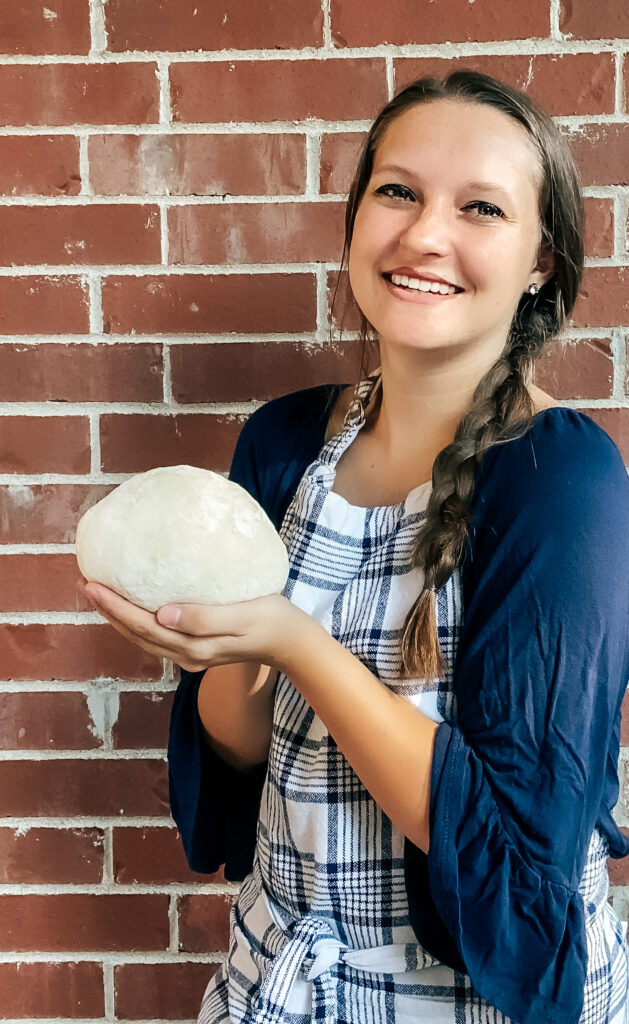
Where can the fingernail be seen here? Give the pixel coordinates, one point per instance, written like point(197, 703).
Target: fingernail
point(169, 615)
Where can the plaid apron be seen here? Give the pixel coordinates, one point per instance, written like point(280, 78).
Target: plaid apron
point(320, 931)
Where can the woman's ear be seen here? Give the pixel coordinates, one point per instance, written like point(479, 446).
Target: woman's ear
point(544, 268)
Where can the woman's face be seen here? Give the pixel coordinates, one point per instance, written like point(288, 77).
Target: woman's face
point(453, 197)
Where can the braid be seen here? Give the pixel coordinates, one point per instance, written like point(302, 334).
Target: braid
point(501, 410)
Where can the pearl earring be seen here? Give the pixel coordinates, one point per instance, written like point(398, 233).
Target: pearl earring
point(533, 289)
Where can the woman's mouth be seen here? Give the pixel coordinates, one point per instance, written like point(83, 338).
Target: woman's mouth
point(419, 289)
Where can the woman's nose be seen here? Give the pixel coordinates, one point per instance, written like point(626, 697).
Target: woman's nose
point(427, 230)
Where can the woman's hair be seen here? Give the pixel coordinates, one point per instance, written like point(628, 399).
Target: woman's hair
point(501, 408)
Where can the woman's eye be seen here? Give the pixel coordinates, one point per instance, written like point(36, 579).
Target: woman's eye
point(395, 191)
point(485, 209)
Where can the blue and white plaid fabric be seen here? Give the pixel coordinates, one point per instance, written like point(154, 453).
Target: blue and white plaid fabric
point(320, 930)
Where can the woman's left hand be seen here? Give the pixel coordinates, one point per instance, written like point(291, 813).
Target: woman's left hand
point(197, 636)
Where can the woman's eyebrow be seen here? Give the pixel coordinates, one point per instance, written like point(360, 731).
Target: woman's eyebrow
point(481, 186)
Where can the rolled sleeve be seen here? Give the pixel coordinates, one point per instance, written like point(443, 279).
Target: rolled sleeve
point(520, 781)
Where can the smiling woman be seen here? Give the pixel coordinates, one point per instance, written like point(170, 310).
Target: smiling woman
point(384, 751)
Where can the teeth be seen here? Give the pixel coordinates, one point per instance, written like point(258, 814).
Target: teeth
point(420, 285)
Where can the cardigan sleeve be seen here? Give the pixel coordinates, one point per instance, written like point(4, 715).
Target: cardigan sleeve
point(526, 773)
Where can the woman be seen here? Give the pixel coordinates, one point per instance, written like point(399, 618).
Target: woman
point(411, 753)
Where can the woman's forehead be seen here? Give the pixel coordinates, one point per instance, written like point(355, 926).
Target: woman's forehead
point(455, 137)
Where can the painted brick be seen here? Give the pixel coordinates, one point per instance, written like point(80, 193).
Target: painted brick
point(44, 444)
point(73, 94)
point(83, 787)
point(62, 990)
point(599, 227)
point(42, 582)
point(84, 922)
point(609, 19)
point(46, 721)
point(258, 371)
point(199, 303)
point(339, 156)
point(154, 856)
point(278, 90)
point(565, 83)
point(233, 24)
point(29, 27)
point(47, 856)
point(133, 444)
point(419, 21)
point(577, 369)
point(79, 234)
point(246, 233)
point(603, 297)
point(199, 165)
point(39, 165)
point(45, 513)
point(143, 720)
point(616, 423)
point(43, 305)
point(204, 923)
point(163, 991)
point(602, 153)
point(67, 652)
point(81, 372)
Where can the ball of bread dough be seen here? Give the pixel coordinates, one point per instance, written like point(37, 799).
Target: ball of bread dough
point(181, 534)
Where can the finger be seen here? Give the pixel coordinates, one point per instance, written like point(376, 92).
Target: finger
point(203, 620)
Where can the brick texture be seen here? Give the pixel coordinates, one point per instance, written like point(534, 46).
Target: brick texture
point(28, 27)
point(134, 444)
point(154, 856)
point(142, 720)
point(67, 652)
point(37, 444)
point(592, 140)
point(164, 991)
point(45, 513)
point(43, 305)
point(235, 24)
point(81, 373)
point(35, 990)
point(46, 721)
point(51, 856)
point(580, 20)
point(83, 787)
point(204, 923)
point(46, 165)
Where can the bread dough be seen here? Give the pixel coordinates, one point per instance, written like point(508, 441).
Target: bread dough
point(181, 534)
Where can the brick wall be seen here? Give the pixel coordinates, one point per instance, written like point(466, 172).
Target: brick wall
point(171, 206)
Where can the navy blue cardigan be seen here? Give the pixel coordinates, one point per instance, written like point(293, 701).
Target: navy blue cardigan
point(530, 769)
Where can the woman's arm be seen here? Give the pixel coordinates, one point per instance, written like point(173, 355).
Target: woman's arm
point(235, 705)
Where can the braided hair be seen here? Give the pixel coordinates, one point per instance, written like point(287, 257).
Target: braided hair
point(501, 408)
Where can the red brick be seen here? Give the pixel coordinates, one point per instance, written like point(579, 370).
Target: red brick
point(204, 924)
point(43, 582)
point(41, 721)
point(619, 869)
point(164, 991)
point(51, 990)
point(278, 90)
point(198, 165)
point(259, 371)
point(69, 787)
point(566, 83)
point(43, 305)
point(342, 307)
point(609, 19)
point(39, 165)
point(602, 153)
point(142, 720)
point(154, 856)
point(339, 156)
point(234, 24)
point(51, 856)
point(31, 28)
point(74, 94)
point(577, 369)
point(624, 733)
point(248, 233)
point(408, 21)
point(133, 444)
point(199, 303)
point(69, 652)
point(79, 234)
point(616, 423)
point(44, 444)
point(599, 227)
point(45, 513)
point(603, 298)
point(81, 372)
point(82, 922)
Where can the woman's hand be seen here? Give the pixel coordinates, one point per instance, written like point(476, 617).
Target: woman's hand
point(197, 636)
